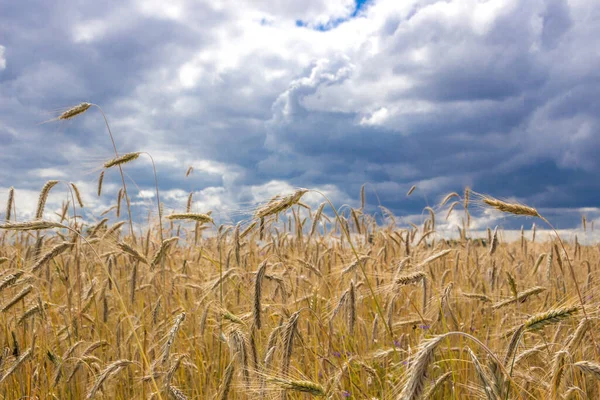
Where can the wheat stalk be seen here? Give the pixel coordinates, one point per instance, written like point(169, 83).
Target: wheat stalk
point(31, 225)
point(237, 342)
point(237, 243)
point(188, 207)
point(125, 158)
point(439, 382)
point(171, 337)
point(176, 393)
point(160, 253)
point(553, 316)
point(351, 314)
point(100, 180)
point(494, 241)
point(10, 279)
point(434, 257)
point(414, 277)
point(514, 341)
point(589, 368)
point(226, 383)
point(132, 252)
point(110, 370)
point(448, 197)
point(279, 204)
point(43, 198)
point(478, 296)
point(202, 218)
point(77, 194)
point(578, 335)
point(483, 377)
point(18, 297)
point(119, 199)
point(288, 341)
point(310, 387)
point(248, 229)
point(55, 251)
point(558, 365)
point(74, 111)
point(114, 228)
point(9, 203)
point(260, 274)
point(510, 208)
point(22, 358)
point(415, 381)
point(522, 296)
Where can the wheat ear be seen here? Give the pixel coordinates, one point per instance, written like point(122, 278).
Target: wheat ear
point(74, 111)
point(227, 379)
point(510, 208)
point(260, 274)
point(202, 218)
point(111, 369)
point(299, 386)
point(413, 388)
point(9, 203)
point(558, 368)
point(279, 204)
point(100, 180)
point(43, 198)
point(553, 316)
point(55, 251)
point(589, 368)
point(18, 297)
point(288, 341)
point(77, 194)
point(32, 225)
point(483, 377)
point(439, 382)
point(160, 253)
point(171, 337)
point(125, 158)
point(22, 358)
point(132, 252)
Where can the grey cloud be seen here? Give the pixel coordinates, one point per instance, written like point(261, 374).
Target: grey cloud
point(441, 94)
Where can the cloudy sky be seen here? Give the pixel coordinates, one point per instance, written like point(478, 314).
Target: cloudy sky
point(261, 97)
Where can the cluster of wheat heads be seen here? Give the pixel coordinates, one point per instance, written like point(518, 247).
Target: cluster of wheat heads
point(294, 304)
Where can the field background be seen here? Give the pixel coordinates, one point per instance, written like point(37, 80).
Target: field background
point(293, 303)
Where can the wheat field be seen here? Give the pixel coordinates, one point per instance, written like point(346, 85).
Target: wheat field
point(291, 303)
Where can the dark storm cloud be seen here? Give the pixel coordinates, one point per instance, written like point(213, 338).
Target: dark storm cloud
point(506, 112)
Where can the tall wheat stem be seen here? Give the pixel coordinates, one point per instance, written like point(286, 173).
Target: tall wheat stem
point(120, 171)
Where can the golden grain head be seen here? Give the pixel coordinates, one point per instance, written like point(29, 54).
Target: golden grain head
point(197, 217)
point(74, 111)
point(125, 158)
point(510, 208)
point(31, 225)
